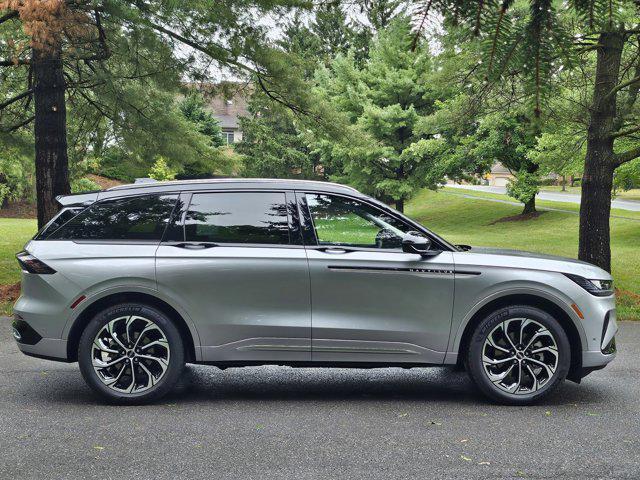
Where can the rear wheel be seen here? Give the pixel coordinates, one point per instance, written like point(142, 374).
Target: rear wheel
point(518, 355)
point(131, 354)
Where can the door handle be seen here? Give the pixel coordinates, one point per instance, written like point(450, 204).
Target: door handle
point(333, 250)
point(193, 246)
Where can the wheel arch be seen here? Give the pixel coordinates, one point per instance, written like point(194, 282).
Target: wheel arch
point(107, 301)
point(532, 300)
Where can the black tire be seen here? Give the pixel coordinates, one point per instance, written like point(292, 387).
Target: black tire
point(166, 382)
point(474, 354)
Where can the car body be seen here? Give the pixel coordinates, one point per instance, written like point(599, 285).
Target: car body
point(296, 276)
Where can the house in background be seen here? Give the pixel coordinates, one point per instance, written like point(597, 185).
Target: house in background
point(499, 175)
point(228, 102)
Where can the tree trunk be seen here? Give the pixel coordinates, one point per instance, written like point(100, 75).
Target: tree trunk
point(564, 183)
point(50, 129)
point(400, 205)
point(597, 180)
point(530, 206)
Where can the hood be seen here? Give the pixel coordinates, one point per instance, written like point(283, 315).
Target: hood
point(521, 253)
point(500, 257)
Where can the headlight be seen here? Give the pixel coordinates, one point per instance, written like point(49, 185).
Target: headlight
point(599, 288)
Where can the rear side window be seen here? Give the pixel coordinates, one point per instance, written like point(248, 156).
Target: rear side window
point(130, 218)
point(238, 217)
point(63, 217)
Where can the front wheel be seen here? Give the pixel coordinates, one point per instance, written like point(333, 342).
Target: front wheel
point(130, 354)
point(518, 355)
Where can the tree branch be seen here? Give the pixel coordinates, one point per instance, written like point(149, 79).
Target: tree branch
point(13, 63)
point(627, 156)
point(105, 51)
point(277, 99)
point(416, 37)
point(623, 133)
point(16, 98)
point(19, 125)
point(619, 87)
point(208, 50)
point(9, 16)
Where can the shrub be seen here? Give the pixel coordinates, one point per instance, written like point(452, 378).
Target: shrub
point(524, 187)
point(83, 185)
point(160, 170)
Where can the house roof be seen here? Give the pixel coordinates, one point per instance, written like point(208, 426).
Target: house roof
point(227, 121)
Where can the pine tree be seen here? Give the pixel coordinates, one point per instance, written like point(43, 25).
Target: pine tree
point(383, 101)
point(63, 49)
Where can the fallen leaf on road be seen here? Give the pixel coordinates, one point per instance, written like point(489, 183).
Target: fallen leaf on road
point(464, 440)
point(466, 459)
point(98, 447)
point(484, 463)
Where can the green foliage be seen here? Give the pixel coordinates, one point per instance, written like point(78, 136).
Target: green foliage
point(16, 175)
point(160, 170)
point(559, 152)
point(383, 101)
point(272, 144)
point(627, 176)
point(193, 108)
point(524, 187)
point(84, 185)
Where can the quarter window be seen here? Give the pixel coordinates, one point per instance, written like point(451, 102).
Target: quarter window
point(347, 222)
point(130, 218)
point(238, 217)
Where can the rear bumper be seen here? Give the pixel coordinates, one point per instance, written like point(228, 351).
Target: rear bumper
point(47, 348)
point(31, 343)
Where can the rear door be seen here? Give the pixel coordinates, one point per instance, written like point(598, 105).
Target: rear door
point(371, 301)
point(235, 261)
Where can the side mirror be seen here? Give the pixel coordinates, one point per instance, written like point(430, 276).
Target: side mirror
point(413, 242)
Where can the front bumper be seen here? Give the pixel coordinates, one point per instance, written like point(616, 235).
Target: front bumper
point(607, 344)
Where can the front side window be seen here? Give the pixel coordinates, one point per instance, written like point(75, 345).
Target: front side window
point(347, 222)
point(131, 218)
point(238, 217)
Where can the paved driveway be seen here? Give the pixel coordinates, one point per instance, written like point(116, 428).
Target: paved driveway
point(622, 204)
point(273, 422)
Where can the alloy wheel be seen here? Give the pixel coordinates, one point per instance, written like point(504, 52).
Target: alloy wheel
point(130, 354)
point(520, 356)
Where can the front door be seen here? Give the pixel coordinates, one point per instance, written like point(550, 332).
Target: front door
point(371, 302)
point(239, 269)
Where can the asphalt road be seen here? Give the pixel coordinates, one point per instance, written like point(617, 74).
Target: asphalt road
point(275, 422)
point(622, 204)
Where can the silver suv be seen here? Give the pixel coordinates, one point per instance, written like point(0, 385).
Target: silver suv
point(134, 281)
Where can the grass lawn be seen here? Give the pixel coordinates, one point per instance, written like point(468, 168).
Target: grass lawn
point(572, 207)
point(14, 233)
point(633, 194)
point(469, 221)
point(460, 220)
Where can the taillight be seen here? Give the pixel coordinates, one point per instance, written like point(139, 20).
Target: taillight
point(31, 264)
